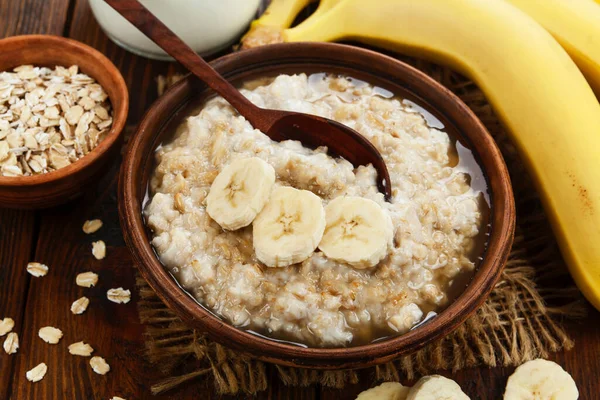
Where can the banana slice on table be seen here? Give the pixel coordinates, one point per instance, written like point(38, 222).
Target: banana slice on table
point(240, 192)
point(289, 228)
point(358, 231)
point(385, 391)
point(436, 387)
point(540, 379)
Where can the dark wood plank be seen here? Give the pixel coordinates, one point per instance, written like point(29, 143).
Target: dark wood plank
point(17, 228)
point(111, 329)
point(16, 243)
point(33, 16)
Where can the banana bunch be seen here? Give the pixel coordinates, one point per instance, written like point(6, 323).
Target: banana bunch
point(536, 379)
point(536, 89)
point(288, 224)
point(575, 24)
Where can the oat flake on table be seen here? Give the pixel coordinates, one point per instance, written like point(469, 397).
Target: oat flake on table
point(6, 325)
point(99, 365)
point(11, 343)
point(37, 373)
point(37, 269)
point(86, 279)
point(49, 118)
point(99, 249)
point(119, 295)
point(50, 334)
point(92, 226)
point(81, 349)
point(80, 305)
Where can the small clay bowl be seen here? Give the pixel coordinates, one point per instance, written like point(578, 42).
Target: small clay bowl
point(62, 185)
point(388, 73)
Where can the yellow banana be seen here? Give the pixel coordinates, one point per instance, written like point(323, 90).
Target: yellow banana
point(576, 26)
point(536, 89)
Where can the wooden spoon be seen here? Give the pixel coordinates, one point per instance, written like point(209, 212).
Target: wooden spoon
point(312, 131)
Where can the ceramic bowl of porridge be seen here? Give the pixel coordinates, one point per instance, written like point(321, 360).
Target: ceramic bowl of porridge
point(291, 254)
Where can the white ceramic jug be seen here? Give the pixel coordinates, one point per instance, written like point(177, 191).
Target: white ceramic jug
point(207, 26)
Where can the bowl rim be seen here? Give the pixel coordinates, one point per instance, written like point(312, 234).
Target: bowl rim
point(119, 114)
point(502, 216)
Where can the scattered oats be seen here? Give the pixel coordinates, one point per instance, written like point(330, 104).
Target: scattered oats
point(80, 305)
point(86, 279)
point(37, 374)
point(99, 365)
point(99, 249)
point(50, 334)
point(36, 269)
point(81, 349)
point(41, 106)
point(92, 226)
point(6, 326)
point(11, 344)
point(119, 295)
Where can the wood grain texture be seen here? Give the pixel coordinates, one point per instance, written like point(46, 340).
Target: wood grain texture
point(111, 329)
point(16, 244)
point(33, 16)
point(18, 228)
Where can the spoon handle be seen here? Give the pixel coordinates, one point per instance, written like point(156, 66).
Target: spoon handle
point(159, 33)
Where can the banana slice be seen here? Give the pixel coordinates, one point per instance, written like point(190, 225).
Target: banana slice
point(240, 192)
point(540, 379)
point(358, 232)
point(436, 387)
point(385, 391)
point(289, 228)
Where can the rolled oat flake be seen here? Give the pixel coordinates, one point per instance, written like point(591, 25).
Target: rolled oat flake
point(6, 325)
point(11, 344)
point(99, 365)
point(37, 373)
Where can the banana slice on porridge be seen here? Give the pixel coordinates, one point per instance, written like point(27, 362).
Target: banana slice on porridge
point(289, 228)
point(240, 192)
point(358, 232)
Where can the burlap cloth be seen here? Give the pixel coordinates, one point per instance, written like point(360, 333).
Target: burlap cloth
point(519, 321)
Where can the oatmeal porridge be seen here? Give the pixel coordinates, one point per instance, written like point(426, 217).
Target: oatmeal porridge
point(321, 288)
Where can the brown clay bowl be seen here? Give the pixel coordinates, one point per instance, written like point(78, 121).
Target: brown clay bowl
point(60, 186)
point(168, 111)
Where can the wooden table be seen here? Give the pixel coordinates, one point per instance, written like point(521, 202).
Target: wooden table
point(54, 237)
